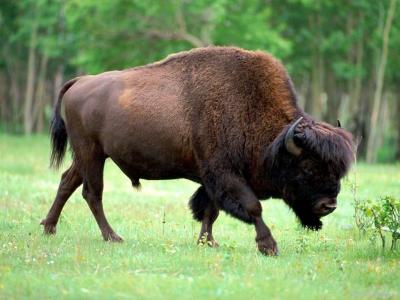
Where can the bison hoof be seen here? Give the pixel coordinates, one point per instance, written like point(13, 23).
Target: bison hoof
point(112, 237)
point(206, 239)
point(268, 247)
point(49, 228)
point(211, 243)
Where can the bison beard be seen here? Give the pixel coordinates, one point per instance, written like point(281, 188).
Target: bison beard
point(309, 220)
point(223, 117)
point(306, 217)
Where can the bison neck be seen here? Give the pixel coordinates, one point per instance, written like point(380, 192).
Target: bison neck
point(261, 155)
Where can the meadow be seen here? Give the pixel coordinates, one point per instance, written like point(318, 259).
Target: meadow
point(160, 259)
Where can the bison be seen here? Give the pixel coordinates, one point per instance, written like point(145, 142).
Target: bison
point(223, 117)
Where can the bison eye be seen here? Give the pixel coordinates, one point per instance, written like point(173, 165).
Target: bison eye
point(308, 172)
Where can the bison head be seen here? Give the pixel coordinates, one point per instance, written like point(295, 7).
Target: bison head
point(308, 161)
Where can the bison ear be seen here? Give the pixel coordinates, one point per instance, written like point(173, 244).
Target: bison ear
point(338, 124)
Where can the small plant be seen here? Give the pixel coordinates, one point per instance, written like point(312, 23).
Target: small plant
point(391, 207)
point(379, 217)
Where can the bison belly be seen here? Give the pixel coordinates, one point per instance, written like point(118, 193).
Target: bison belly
point(146, 130)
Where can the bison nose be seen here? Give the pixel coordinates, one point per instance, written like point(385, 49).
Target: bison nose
point(325, 206)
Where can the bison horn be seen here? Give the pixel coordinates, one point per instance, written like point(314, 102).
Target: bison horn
point(291, 147)
point(338, 124)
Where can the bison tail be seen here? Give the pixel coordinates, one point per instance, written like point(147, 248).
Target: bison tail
point(58, 131)
point(198, 204)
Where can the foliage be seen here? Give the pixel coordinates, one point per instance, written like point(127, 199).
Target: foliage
point(380, 217)
point(149, 31)
point(332, 50)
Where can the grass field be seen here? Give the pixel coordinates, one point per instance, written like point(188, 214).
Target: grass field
point(160, 259)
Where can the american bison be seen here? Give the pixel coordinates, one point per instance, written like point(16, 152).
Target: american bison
point(223, 117)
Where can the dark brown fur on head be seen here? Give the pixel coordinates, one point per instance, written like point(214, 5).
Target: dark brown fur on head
point(326, 155)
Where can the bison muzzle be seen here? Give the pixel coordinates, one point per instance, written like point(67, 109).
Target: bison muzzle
point(223, 117)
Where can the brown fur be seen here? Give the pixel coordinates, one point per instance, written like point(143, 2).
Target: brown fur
point(214, 115)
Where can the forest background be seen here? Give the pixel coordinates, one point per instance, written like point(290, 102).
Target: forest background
point(343, 56)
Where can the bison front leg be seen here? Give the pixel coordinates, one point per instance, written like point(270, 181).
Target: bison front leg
point(237, 199)
point(265, 242)
point(205, 211)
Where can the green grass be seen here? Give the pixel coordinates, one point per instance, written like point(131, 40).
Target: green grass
point(160, 259)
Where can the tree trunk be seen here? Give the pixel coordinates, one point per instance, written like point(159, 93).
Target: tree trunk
point(40, 99)
point(303, 91)
point(314, 107)
point(355, 85)
point(58, 81)
point(334, 99)
point(14, 91)
point(372, 138)
point(361, 119)
point(383, 122)
point(3, 98)
point(30, 82)
point(397, 123)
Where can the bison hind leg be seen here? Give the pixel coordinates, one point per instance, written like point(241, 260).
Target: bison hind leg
point(70, 181)
point(205, 211)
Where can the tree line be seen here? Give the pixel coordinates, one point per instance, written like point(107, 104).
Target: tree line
point(342, 55)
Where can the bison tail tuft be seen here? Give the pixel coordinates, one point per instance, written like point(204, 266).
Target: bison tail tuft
point(59, 141)
point(58, 131)
point(198, 203)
